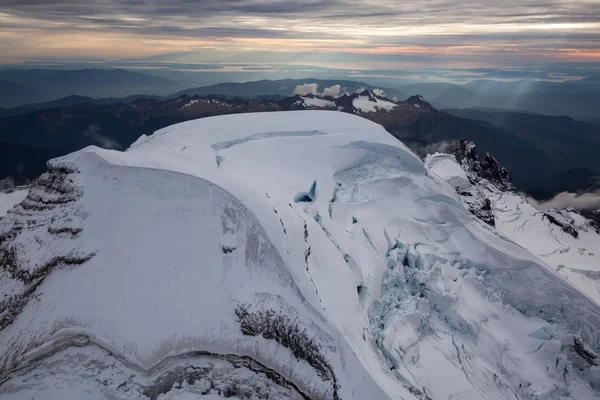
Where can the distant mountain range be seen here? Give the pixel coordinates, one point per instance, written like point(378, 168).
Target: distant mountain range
point(13, 94)
point(576, 99)
point(285, 88)
point(536, 149)
point(571, 144)
point(592, 120)
point(70, 101)
point(89, 86)
point(18, 87)
point(24, 163)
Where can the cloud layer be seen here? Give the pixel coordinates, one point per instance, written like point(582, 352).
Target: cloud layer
point(306, 88)
point(585, 201)
point(333, 91)
point(313, 88)
point(93, 132)
point(498, 31)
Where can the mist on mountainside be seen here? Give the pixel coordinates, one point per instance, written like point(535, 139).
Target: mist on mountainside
point(579, 201)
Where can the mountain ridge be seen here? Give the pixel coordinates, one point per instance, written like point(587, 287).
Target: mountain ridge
point(48, 85)
point(414, 121)
point(566, 239)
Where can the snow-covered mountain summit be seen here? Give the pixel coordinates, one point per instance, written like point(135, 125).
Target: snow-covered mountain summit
point(564, 239)
point(472, 178)
point(298, 255)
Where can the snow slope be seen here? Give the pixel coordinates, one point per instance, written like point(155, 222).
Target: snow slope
point(281, 255)
point(576, 259)
point(567, 242)
point(9, 199)
point(372, 104)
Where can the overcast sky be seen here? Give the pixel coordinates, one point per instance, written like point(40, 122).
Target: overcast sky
point(339, 33)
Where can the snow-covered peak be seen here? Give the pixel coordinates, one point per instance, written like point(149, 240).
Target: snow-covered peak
point(564, 239)
point(570, 221)
point(203, 101)
point(416, 99)
point(471, 177)
point(291, 255)
point(364, 103)
point(190, 103)
point(418, 102)
point(368, 102)
point(488, 170)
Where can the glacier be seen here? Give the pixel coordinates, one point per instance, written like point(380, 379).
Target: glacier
point(185, 267)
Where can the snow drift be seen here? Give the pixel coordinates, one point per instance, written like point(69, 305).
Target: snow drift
point(300, 255)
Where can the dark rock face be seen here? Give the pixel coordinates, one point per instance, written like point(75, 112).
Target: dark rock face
point(488, 175)
point(488, 168)
point(481, 173)
point(564, 218)
point(265, 384)
point(279, 327)
point(496, 173)
point(594, 217)
point(491, 174)
point(589, 356)
point(419, 102)
point(485, 213)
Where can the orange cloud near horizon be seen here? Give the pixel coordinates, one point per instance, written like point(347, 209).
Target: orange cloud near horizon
point(132, 37)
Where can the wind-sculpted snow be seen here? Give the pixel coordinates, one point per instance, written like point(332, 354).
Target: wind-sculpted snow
point(51, 208)
point(316, 259)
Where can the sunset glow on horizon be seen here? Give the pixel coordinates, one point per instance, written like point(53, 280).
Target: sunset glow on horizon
point(487, 33)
